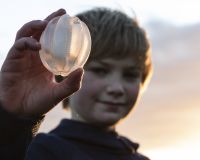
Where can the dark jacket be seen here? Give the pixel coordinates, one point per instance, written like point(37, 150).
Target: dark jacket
point(16, 135)
point(73, 140)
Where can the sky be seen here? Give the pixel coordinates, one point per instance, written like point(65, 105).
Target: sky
point(14, 14)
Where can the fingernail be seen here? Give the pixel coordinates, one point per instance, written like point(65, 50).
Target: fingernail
point(61, 10)
point(44, 21)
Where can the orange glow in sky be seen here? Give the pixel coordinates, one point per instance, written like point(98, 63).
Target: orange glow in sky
point(166, 122)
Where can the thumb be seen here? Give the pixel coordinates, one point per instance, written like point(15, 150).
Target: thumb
point(68, 86)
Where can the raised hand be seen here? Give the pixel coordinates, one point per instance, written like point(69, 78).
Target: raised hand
point(26, 87)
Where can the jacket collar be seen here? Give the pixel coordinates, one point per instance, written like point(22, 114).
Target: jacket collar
point(88, 134)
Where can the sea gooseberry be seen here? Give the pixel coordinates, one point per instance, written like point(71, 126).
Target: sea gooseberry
point(65, 45)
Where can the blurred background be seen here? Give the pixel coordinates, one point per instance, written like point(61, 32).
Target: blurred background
point(166, 121)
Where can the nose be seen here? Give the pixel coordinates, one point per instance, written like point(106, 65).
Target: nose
point(115, 89)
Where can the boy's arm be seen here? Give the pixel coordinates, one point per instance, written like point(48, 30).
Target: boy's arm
point(27, 89)
point(16, 134)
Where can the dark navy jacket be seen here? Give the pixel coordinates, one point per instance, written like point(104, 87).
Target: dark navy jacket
point(71, 140)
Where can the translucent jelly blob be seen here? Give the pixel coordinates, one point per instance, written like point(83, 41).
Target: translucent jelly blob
point(65, 45)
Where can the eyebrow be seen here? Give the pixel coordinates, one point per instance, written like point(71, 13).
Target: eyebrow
point(103, 63)
point(131, 67)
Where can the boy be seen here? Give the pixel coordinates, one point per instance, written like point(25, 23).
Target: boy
point(116, 71)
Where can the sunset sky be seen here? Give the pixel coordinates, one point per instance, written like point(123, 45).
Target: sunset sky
point(180, 139)
point(14, 14)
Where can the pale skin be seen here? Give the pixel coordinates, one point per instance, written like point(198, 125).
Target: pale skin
point(110, 89)
point(27, 88)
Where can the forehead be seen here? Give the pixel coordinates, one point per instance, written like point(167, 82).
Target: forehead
point(117, 63)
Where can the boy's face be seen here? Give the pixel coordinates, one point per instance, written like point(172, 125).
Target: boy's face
point(109, 91)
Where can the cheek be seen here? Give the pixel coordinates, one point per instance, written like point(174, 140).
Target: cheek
point(91, 88)
point(133, 93)
point(86, 97)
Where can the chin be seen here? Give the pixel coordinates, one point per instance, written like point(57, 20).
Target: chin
point(109, 122)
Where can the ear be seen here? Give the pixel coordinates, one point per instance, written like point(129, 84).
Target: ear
point(65, 103)
point(146, 77)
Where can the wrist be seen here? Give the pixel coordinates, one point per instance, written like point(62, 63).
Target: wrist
point(11, 118)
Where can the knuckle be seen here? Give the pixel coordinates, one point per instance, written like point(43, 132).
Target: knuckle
point(28, 28)
point(24, 42)
point(32, 23)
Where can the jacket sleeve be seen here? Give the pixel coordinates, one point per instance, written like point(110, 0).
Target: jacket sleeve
point(38, 151)
point(16, 134)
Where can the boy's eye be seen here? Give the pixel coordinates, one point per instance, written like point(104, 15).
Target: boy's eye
point(131, 75)
point(100, 71)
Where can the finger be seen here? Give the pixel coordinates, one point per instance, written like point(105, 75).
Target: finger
point(68, 86)
point(59, 12)
point(27, 43)
point(31, 28)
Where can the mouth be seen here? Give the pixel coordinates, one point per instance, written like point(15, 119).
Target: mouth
point(111, 106)
point(112, 103)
